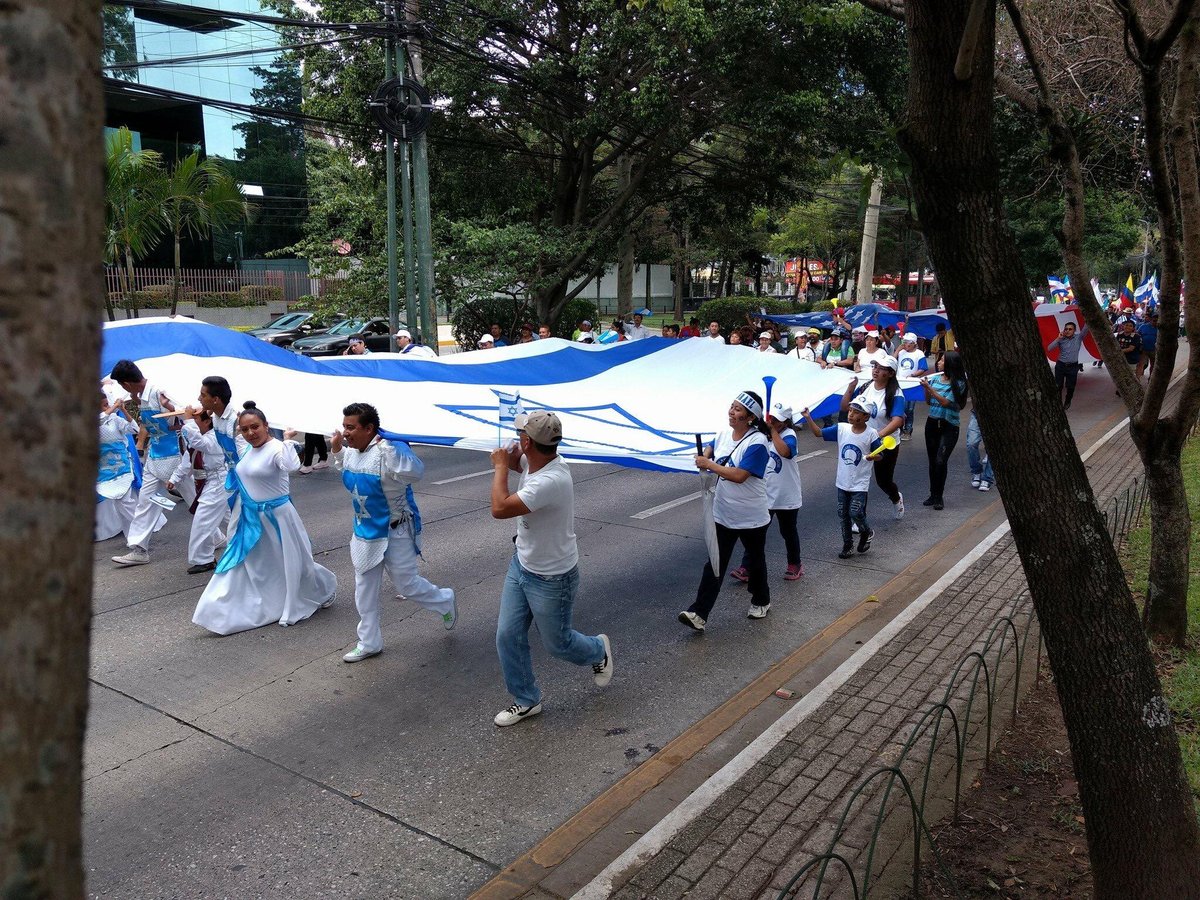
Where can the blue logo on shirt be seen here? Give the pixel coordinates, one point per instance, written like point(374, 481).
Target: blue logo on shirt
point(776, 462)
point(851, 454)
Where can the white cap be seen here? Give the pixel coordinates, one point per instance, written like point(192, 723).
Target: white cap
point(888, 362)
point(486, 339)
point(909, 337)
point(404, 332)
point(781, 412)
point(765, 334)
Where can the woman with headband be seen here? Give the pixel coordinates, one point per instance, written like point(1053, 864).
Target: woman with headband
point(738, 457)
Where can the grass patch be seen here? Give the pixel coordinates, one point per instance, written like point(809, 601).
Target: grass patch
point(1178, 669)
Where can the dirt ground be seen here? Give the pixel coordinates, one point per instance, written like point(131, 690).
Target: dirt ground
point(1020, 831)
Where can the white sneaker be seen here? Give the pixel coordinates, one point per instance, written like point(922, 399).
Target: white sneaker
point(758, 612)
point(898, 509)
point(975, 479)
point(516, 713)
point(985, 485)
point(137, 556)
point(358, 654)
point(321, 464)
point(304, 470)
point(450, 618)
point(691, 620)
point(604, 668)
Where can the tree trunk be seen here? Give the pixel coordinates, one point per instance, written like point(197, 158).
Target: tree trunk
point(131, 301)
point(1165, 613)
point(1125, 752)
point(720, 292)
point(729, 278)
point(625, 261)
point(175, 280)
point(51, 216)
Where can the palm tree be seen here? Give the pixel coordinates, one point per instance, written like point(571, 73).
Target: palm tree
point(132, 225)
point(194, 198)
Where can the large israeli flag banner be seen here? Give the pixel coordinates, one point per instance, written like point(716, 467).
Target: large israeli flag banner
point(636, 403)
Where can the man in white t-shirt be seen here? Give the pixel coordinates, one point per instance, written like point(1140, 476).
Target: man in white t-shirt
point(912, 363)
point(764, 343)
point(636, 331)
point(543, 577)
point(714, 332)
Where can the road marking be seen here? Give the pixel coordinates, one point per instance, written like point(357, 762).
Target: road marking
point(663, 507)
point(704, 796)
point(679, 501)
point(464, 477)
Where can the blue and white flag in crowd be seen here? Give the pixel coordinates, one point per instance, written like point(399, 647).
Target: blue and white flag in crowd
point(510, 407)
point(1060, 288)
point(636, 403)
point(1147, 292)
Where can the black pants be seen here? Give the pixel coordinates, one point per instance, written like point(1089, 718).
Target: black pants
point(885, 473)
point(1066, 374)
point(754, 540)
point(314, 443)
point(940, 438)
point(787, 531)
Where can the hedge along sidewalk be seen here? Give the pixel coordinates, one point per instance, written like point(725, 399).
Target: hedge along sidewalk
point(747, 831)
point(1178, 669)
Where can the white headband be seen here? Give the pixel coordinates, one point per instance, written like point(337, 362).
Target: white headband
point(752, 406)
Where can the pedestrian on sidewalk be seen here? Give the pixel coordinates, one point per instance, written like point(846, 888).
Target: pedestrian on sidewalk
point(1066, 367)
point(738, 456)
point(784, 496)
point(856, 441)
point(945, 392)
point(379, 475)
point(980, 464)
point(882, 394)
point(543, 576)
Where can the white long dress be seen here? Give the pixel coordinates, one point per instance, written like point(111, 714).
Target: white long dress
point(278, 581)
point(116, 496)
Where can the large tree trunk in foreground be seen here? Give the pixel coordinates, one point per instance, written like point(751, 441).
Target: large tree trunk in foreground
point(1142, 831)
point(1170, 539)
point(51, 220)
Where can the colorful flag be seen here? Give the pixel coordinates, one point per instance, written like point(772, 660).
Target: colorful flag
point(1060, 288)
point(1127, 292)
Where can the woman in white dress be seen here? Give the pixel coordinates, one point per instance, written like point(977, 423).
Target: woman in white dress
point(115, 493)
point(267, 573)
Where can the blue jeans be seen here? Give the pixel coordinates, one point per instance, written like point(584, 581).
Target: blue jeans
point(852, 507)
point(982, 468)
point(910, 416)
point(546, 600)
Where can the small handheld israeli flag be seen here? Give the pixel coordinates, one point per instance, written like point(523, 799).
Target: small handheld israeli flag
point(510, 408)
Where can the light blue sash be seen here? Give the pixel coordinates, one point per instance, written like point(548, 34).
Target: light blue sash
point(249, 526)
point(372, 515)
point(162, 442)
point(114, 460)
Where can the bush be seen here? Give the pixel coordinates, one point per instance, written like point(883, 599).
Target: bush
point(140, 300)
point(221, 300)
point(822, 306)
point(471, 319)
point(261, 293)
point(731, 312)
point(185, 292)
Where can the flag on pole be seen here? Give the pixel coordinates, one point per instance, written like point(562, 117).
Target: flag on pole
point(1145, 292)
point(1060, 288)
point(510, 408)
point(1127, 292)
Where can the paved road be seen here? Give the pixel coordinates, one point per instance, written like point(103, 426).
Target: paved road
point(260, 765)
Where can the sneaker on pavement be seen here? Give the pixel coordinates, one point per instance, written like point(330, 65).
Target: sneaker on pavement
point(794, 573)
point(136, 556)
point(758, 612)
point(448, 619)
point(328, 603)
point(864, 541)
point(906, 435)
point(200, 568)
point(847, 552)
point(939, 503)
point(358, 654)
point(604, 668)
point(740, 574)
point(975, 479)
point(304, 470)
point(516, 713)
point(691, 620)
point(929, 501)
point(985, 485)
point(898, 509)
point(322, 464)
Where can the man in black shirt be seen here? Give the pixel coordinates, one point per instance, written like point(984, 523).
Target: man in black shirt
point(1130, 342)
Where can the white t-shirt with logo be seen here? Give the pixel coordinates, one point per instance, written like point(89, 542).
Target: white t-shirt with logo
point(742, 505)
point(911, 362)
point(854, 469)
point(878, 396)
point(546, 536)
point(783, 476)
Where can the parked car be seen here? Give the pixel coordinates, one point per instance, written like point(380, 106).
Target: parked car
point(335, 340)
point(291, 325)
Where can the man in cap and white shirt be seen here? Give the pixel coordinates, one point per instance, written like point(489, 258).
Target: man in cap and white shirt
point(912, 363)
point(586, 336)
point(405, 345)
point(543, 577)
point(486, 341)
point(764, 343)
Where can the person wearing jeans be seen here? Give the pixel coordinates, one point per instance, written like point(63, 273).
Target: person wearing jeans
point(543, 577)
point(946, 392)
point(981, 466)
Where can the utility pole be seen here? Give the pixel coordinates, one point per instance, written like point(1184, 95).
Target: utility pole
point(389, 149)
point(421, 214)
point(866, 257)
point(1145, 250)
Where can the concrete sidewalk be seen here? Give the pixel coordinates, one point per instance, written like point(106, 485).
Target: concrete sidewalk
point(747, 828)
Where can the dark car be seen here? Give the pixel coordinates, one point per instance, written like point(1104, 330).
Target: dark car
point(292, 325)
point(335, 340)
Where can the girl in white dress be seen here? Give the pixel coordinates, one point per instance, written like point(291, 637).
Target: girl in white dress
point(267, 573)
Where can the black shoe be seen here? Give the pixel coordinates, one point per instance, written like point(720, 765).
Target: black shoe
point(200, 568)
point(928, 501)
point(938, 504)
point(864, 541)
point(847, 552)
